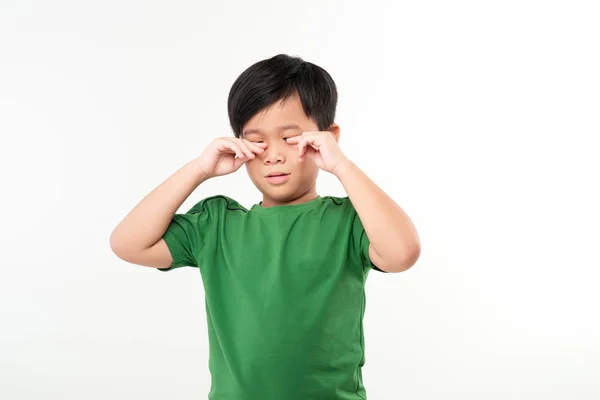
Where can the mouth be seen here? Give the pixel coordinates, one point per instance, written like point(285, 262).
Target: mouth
point(277, 178)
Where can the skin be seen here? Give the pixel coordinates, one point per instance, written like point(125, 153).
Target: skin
point(266, 147)
point(282, 155)
point(304, 150)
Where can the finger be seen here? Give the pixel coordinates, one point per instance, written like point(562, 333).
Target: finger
point(301, 148)
point(307, 144)
point(314, 139)
point(238, 162)
point(235, 147)
point(257, 144)
point(246, 149)
point(255, 147)
point(294, 139)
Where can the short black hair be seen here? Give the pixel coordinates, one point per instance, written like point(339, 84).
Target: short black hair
point(277, 78)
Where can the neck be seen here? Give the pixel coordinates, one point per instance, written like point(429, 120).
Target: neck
point(309, 195)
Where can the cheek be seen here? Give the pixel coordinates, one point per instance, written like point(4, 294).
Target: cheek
point(252, 166)
point(254, 174)
point(308, 168)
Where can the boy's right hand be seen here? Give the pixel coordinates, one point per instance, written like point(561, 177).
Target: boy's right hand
point(225, 155)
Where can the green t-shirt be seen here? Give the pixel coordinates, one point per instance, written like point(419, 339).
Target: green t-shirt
point(285, 296)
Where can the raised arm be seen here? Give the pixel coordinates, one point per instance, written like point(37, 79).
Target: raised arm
point(138, 237)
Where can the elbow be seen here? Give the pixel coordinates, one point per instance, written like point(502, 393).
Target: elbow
point(114, 245)
point(413, 256)
point(117, 246)
point(405, 260)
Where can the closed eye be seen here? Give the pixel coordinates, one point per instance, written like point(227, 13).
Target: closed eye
point(262, 141)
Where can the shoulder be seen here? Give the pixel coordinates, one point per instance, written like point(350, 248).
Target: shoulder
point(341, 208)
point(217, 203)
point(342, 204)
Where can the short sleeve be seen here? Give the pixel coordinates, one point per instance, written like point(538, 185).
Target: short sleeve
point(361, 242)
point(186, 234)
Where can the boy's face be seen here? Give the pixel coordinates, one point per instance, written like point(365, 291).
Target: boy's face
point(273, 126)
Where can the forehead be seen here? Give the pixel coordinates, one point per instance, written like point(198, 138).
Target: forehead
point(279, 114)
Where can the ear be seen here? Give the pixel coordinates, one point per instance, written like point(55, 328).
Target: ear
point(335, 131)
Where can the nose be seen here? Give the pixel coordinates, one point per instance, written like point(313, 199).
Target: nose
point(274, 154)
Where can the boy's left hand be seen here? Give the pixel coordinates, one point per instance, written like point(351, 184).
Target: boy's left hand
point(321, 147)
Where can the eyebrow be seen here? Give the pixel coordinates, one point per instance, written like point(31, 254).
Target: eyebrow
point(281, 128)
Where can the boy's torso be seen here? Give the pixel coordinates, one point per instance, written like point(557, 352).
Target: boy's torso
point(285, 300)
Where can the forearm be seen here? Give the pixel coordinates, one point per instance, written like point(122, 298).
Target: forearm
point(389, 229)
point(149, 220)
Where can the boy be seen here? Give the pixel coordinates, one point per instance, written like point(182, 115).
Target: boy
point(284, 280)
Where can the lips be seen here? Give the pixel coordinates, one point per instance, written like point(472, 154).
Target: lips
point(273, 174)
point(277, 178)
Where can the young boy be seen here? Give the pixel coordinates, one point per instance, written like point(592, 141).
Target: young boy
point(284, 280)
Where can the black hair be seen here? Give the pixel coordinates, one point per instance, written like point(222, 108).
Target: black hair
point(277, 78)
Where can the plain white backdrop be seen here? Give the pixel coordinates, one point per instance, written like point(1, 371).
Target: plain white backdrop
point(481, 119)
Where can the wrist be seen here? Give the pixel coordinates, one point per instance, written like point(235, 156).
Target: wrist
point(342, 168)
point(197, 171)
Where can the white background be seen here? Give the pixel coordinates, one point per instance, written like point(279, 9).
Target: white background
point(481, 119)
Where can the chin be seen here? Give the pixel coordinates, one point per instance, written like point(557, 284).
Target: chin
point(281, 195)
